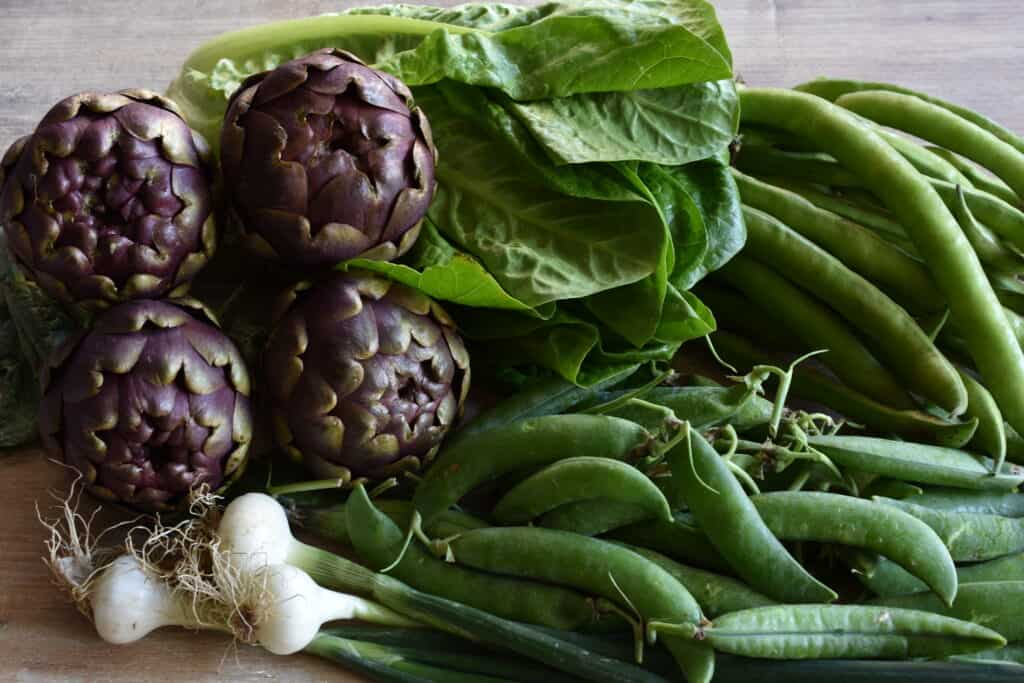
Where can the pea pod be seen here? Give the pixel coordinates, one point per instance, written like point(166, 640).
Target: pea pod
point(533, 442)
point(885, 578)
point(832, 518)
point(970, 537)
point(944, 128)
point(1003, 263)
point(832, 89)
point(547, 397)
point(745, 669)
point(924, 161)
point(977, 177)
point(733, 526)
point(905, 278)
point(1001, 217)
point(934, 231)
point(660, 421)
point(735, 313)
point(916, 462)
point(593, 517)
point(817, 326)
point(331, 521)
point(811, 167)
point(715, 594)
point(991, 434)
point(581, 478)
point(891, 488)
point(679, 539)
point(982, 502)
point(707, 407)
point(896, 337)
point(878, 220)
point(993, 604)
point(378, 541)
point(594, 566)
point(814, 386)
point(1013, 653)
point(846, 632)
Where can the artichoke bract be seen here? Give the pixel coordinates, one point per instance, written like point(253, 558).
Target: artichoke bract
point(365, 376)
point(149, 404)
point(325, 159)
point(109, 199)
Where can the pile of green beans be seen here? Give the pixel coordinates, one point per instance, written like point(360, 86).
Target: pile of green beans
point(667, 527)
point(877, 234)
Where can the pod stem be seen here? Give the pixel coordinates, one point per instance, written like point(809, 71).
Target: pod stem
point(306, 487)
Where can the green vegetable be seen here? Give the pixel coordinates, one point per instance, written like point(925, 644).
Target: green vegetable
point(818, 326)
point(816, 386)
point(885, 578)
point(593, 516)
point(553, 205)
point(918, 462)
point(991, 604)
point(895, 337)
point(845, 632)
point(580, 478)
point(940, 126)
point(715, 594)
point(1007, 504)
point(970, 536)
point(735, 528)
point(933, 229)
point(378, 542)
point(531, 442)
point(833, 89)
point(831, 518)
point(861, 250)
point(611, 571)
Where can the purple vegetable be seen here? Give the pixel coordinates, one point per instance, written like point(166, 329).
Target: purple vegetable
point(365, 376)
point(109, 199)
point(151, 403)
point(325, 159)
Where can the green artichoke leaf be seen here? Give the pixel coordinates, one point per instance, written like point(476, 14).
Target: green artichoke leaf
point(42, 325)
point(19, 395)
point(32, 327)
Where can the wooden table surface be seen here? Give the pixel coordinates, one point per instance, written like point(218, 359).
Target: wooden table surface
point(969, 52)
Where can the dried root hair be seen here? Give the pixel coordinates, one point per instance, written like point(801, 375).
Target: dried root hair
point(220, 594)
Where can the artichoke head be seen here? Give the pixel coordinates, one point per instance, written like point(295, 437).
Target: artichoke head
point(109, 199)
point(149, 404)
point(325, 159)
point(364, 377)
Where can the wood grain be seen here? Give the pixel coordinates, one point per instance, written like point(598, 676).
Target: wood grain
point(970, 52)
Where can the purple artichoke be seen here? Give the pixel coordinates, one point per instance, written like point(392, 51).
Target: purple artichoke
point(149, 404)
point(365, 376)
point(325, 159)
point(109, 199)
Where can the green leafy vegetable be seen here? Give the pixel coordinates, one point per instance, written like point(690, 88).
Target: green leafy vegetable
point(665, 126)
point(581, 188)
